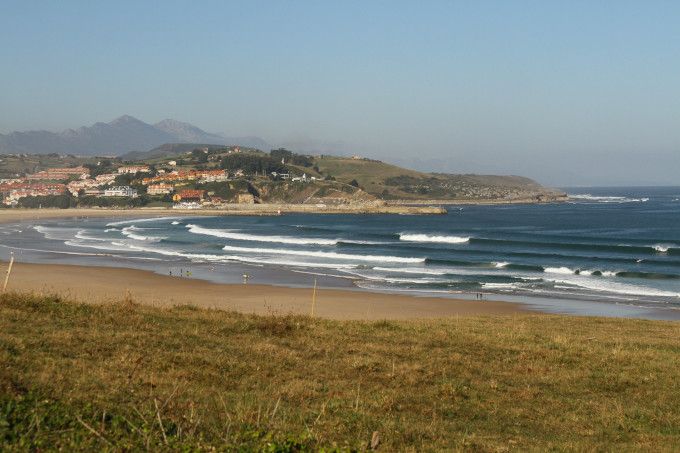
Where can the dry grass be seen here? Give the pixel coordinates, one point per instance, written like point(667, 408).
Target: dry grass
point(130, 377)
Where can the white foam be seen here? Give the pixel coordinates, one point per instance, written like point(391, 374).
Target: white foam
point(606, 199)
point(177, 253)
point(661, 248)
point(410, 270)
point(127, 231)
point(382, 278)
point(56, 232)
point(228, 258)
point(331, 255)
point(174, 222)
point(501, 264)
point(81, 235)
point(98, 246)
point(151, 219)
point(606, 285)
point(433, 238)
point(355, 241)
point(558, 270)
point(230, 234)
point(498, 286)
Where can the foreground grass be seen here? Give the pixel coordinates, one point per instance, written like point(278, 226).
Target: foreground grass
point(130, 377)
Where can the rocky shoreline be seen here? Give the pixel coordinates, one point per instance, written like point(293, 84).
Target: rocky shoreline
point(492, 201)
point(401, 207)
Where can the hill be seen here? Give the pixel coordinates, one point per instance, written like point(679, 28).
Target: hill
point(372, 178)
point(125, 377)
point(166, 151)
point(390, 182)
point(122, 135)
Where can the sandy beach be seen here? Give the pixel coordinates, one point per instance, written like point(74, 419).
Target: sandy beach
point(103, 284)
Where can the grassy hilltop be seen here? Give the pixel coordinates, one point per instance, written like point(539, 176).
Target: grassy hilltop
point(374, 179)
point(123, 376)
point(391, 182)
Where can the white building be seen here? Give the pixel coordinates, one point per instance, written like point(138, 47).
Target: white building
point(106, 178)
point(121, 191)
point(132, 169)
point(159, 189)
point(302, 178)
point(94, 192)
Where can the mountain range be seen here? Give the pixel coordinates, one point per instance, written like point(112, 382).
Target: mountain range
point(120, 136)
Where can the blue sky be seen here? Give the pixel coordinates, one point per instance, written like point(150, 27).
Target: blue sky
point(570, 93)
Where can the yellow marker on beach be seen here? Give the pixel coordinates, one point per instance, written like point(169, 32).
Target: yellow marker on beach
point(9, 271)
point(314, 298)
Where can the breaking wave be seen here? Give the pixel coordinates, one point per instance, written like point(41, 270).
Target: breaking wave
point(151, 219)
point(331, 255)
point(433, 238)
point(228, 234)
point(128, 231)
point(601, 199)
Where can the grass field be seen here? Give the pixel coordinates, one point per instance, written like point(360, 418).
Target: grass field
point(124, 376)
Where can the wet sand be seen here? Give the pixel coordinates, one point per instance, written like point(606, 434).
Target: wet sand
point(103, 284)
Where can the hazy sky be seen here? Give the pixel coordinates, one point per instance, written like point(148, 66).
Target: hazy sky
point(566, 92)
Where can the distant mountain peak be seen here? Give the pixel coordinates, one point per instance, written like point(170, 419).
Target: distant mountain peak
point(122, 135)
point(169, 122)
point(123, 119)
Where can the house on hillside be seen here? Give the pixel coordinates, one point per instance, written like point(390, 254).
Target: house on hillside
point(121, 191)
point(160, 189)
point(189, 195)
point(60, 174)
point(132, 169)
point(302, 178)
point(106, 178)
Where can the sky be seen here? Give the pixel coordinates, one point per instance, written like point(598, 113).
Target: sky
point(566, 92)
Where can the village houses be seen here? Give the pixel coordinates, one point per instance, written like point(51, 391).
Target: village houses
point(60, 174)
point(120, 191)
point(160, 189)
point(132, 169)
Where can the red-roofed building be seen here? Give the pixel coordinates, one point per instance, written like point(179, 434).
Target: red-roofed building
point(60, 174)
point(190, 195)
point(160, 189)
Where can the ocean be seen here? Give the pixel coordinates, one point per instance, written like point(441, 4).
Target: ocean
point(607, 249)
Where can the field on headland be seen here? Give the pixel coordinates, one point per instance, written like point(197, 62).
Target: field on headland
point(125, 376)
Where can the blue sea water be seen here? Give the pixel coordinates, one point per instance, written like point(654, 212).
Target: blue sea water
point(607, 245)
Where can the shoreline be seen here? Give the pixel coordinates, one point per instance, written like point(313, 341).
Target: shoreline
point(91, 284)
point(482, 202)
point(397, 207)
point(280, 285)
point(18, 214)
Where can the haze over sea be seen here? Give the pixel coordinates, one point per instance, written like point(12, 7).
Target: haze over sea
point(614, 248)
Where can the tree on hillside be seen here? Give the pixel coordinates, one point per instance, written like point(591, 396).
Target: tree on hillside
point(252, 164)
